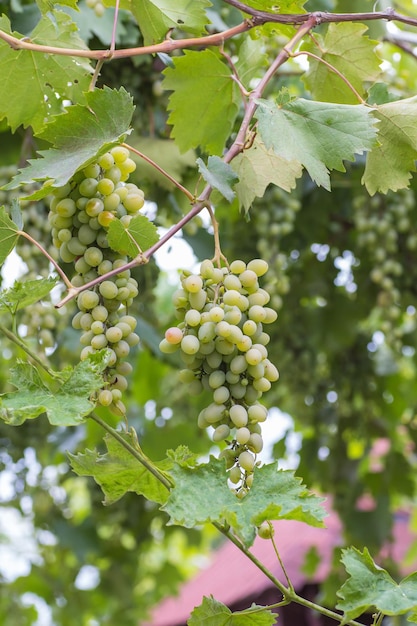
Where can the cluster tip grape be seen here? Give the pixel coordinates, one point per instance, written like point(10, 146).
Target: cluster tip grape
point(222, 341)
point(80, 215)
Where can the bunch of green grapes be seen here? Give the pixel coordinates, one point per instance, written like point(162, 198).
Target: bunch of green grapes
point(272, 223)
point(80, 213)
point(222, 341)
point(384, 233)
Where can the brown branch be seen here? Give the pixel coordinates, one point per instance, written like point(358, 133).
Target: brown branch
point(258, 18)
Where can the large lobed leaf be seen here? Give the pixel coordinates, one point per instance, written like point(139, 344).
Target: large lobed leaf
point(371, 587)
point(346, 48)
point(319, 135)
point(391, 162)
point(30, 81)
point(157, 17)
point(214, 613)
point(78, 136)
point(65, 405)
point(201, 495)
point(118, 472)
point(202, 86)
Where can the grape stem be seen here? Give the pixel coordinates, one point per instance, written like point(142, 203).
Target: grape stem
point(332, 69)
point(189, 195)
point(62, 274)
point(19, 342)
point(290, 585)
point(113, 34)
point(135, 451)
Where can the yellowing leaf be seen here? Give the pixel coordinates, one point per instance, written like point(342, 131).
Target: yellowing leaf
point(391, 162)
point(258, 167)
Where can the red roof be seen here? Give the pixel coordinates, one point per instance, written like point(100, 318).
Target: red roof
point(231, 577)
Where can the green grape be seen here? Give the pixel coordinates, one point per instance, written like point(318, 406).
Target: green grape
point(221, 432)
point(239, 415)
point(114, 334)
point(216, 379)
point(242, 435)
point(190, 344)
point(246, 461)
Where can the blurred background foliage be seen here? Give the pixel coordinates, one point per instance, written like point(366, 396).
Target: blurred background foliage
point(344, 279)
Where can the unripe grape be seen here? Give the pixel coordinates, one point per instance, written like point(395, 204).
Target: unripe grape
point(216, 379)
point(265, 530)
point(222, 432)
point(239, 415)
point(105, 397)
point(235, 475)
point(246, 461)
point(242, 435)
point(190, 344)
point(255, 443)
point(237, 267)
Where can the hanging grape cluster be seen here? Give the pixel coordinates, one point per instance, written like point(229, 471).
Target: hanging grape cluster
point(222, 342)
point(385, 233)
point(80, 213)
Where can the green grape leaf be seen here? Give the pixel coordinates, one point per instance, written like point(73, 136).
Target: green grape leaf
point(16, 213)
point(201, 495)
point(252, 58)
point(319, 135)
point(202, 86)
point(78, 136)
point(157, 17)
point(346, 48)
point(370, 586)
point(412, 618)
point(211, 612)
point(22, 294)
point(31, 81)
point(219, 175)
point(166, 154)
point(65, 405)
point(257, 167)
point(118, 472)
point(391, 162)
point(8, 235)
point(48, 5)
point(138, 237)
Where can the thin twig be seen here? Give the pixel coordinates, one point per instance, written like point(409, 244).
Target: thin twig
point(113, 35)
point(62, 274)
point(162, 171)
point(169, 45)
point(28, 351)
point(332, 69)
point(135, 452)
